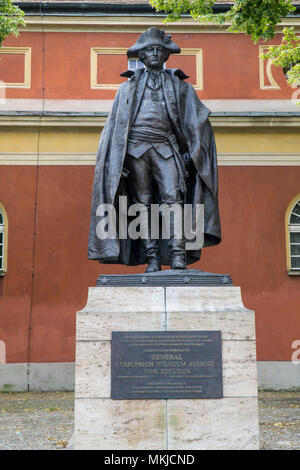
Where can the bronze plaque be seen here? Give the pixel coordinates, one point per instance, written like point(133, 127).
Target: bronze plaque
point(169, 364)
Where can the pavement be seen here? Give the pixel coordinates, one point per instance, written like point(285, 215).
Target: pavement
point(279, 420)
point(44, 421)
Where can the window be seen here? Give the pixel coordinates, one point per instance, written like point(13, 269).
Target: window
point(3, 240)
point(134, 64)
point(293, 236)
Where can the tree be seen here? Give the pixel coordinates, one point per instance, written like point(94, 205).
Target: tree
point(287, 56)
point(11, 17)
point(257, 18)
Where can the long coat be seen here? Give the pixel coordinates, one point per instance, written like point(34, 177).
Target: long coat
point(189, 119)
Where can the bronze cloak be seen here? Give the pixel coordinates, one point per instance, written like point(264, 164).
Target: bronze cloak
point(189, 118)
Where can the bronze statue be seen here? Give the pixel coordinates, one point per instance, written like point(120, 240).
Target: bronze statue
point(157, 147)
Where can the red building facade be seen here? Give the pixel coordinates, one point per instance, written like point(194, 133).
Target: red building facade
point(59, 78)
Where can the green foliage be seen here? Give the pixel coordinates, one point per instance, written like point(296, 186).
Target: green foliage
point(287, 55)
point(11, 17)
point(177, 8)
point(257, 18)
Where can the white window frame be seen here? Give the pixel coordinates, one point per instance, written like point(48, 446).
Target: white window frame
point(292, 228)
point(2, 243)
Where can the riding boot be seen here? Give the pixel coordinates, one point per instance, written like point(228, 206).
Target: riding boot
point(152, 256)
point(177, 256)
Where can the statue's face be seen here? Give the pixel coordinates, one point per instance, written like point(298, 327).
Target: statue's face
point(154, 57)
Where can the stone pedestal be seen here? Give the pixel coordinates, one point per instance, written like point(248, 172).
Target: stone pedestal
point(158, 424)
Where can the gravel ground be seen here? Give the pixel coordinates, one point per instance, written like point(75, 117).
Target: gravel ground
point(36, 421)
point(279, 420)
point(44, 421)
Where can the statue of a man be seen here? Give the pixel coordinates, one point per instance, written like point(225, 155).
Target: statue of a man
point(157, 147)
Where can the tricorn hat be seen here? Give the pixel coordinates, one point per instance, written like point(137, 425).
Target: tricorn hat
point(153, 37)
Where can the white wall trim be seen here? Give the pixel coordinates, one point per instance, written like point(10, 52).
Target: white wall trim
point(104, 105)
point(127, 24)
point(259, 159)
point(224, 159)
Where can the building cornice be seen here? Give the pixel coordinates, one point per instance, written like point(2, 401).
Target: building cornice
point(129, 24)
point(97, 120)
point(93, 8)
point(101, 17)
